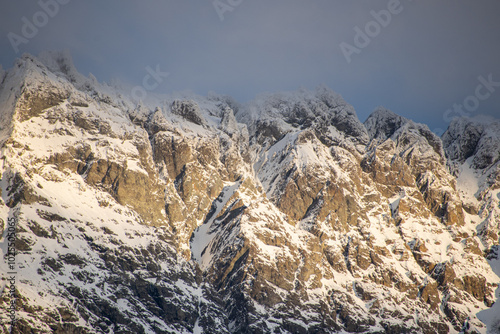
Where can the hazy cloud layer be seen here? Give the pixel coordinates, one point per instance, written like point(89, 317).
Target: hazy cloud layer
point(419, 61)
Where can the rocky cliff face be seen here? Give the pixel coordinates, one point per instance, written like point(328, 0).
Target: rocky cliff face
point(198, 215)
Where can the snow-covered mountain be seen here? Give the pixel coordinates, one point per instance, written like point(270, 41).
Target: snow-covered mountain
point(189, 214)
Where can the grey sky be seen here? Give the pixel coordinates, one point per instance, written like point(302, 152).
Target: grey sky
point(427, 57)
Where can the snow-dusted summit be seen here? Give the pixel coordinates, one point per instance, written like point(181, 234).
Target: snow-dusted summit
point(189, 214)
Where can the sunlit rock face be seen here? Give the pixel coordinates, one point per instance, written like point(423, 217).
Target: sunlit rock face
point(189, 214)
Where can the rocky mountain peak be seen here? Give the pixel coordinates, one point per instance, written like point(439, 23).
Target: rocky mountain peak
point(383, 123)
point(332, 119)
point(192, 214)
point(478, 138)
point(60, 62)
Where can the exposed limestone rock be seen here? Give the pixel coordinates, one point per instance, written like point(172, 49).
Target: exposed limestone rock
point(34, 100)
point(189, 110)
point(430, 295)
